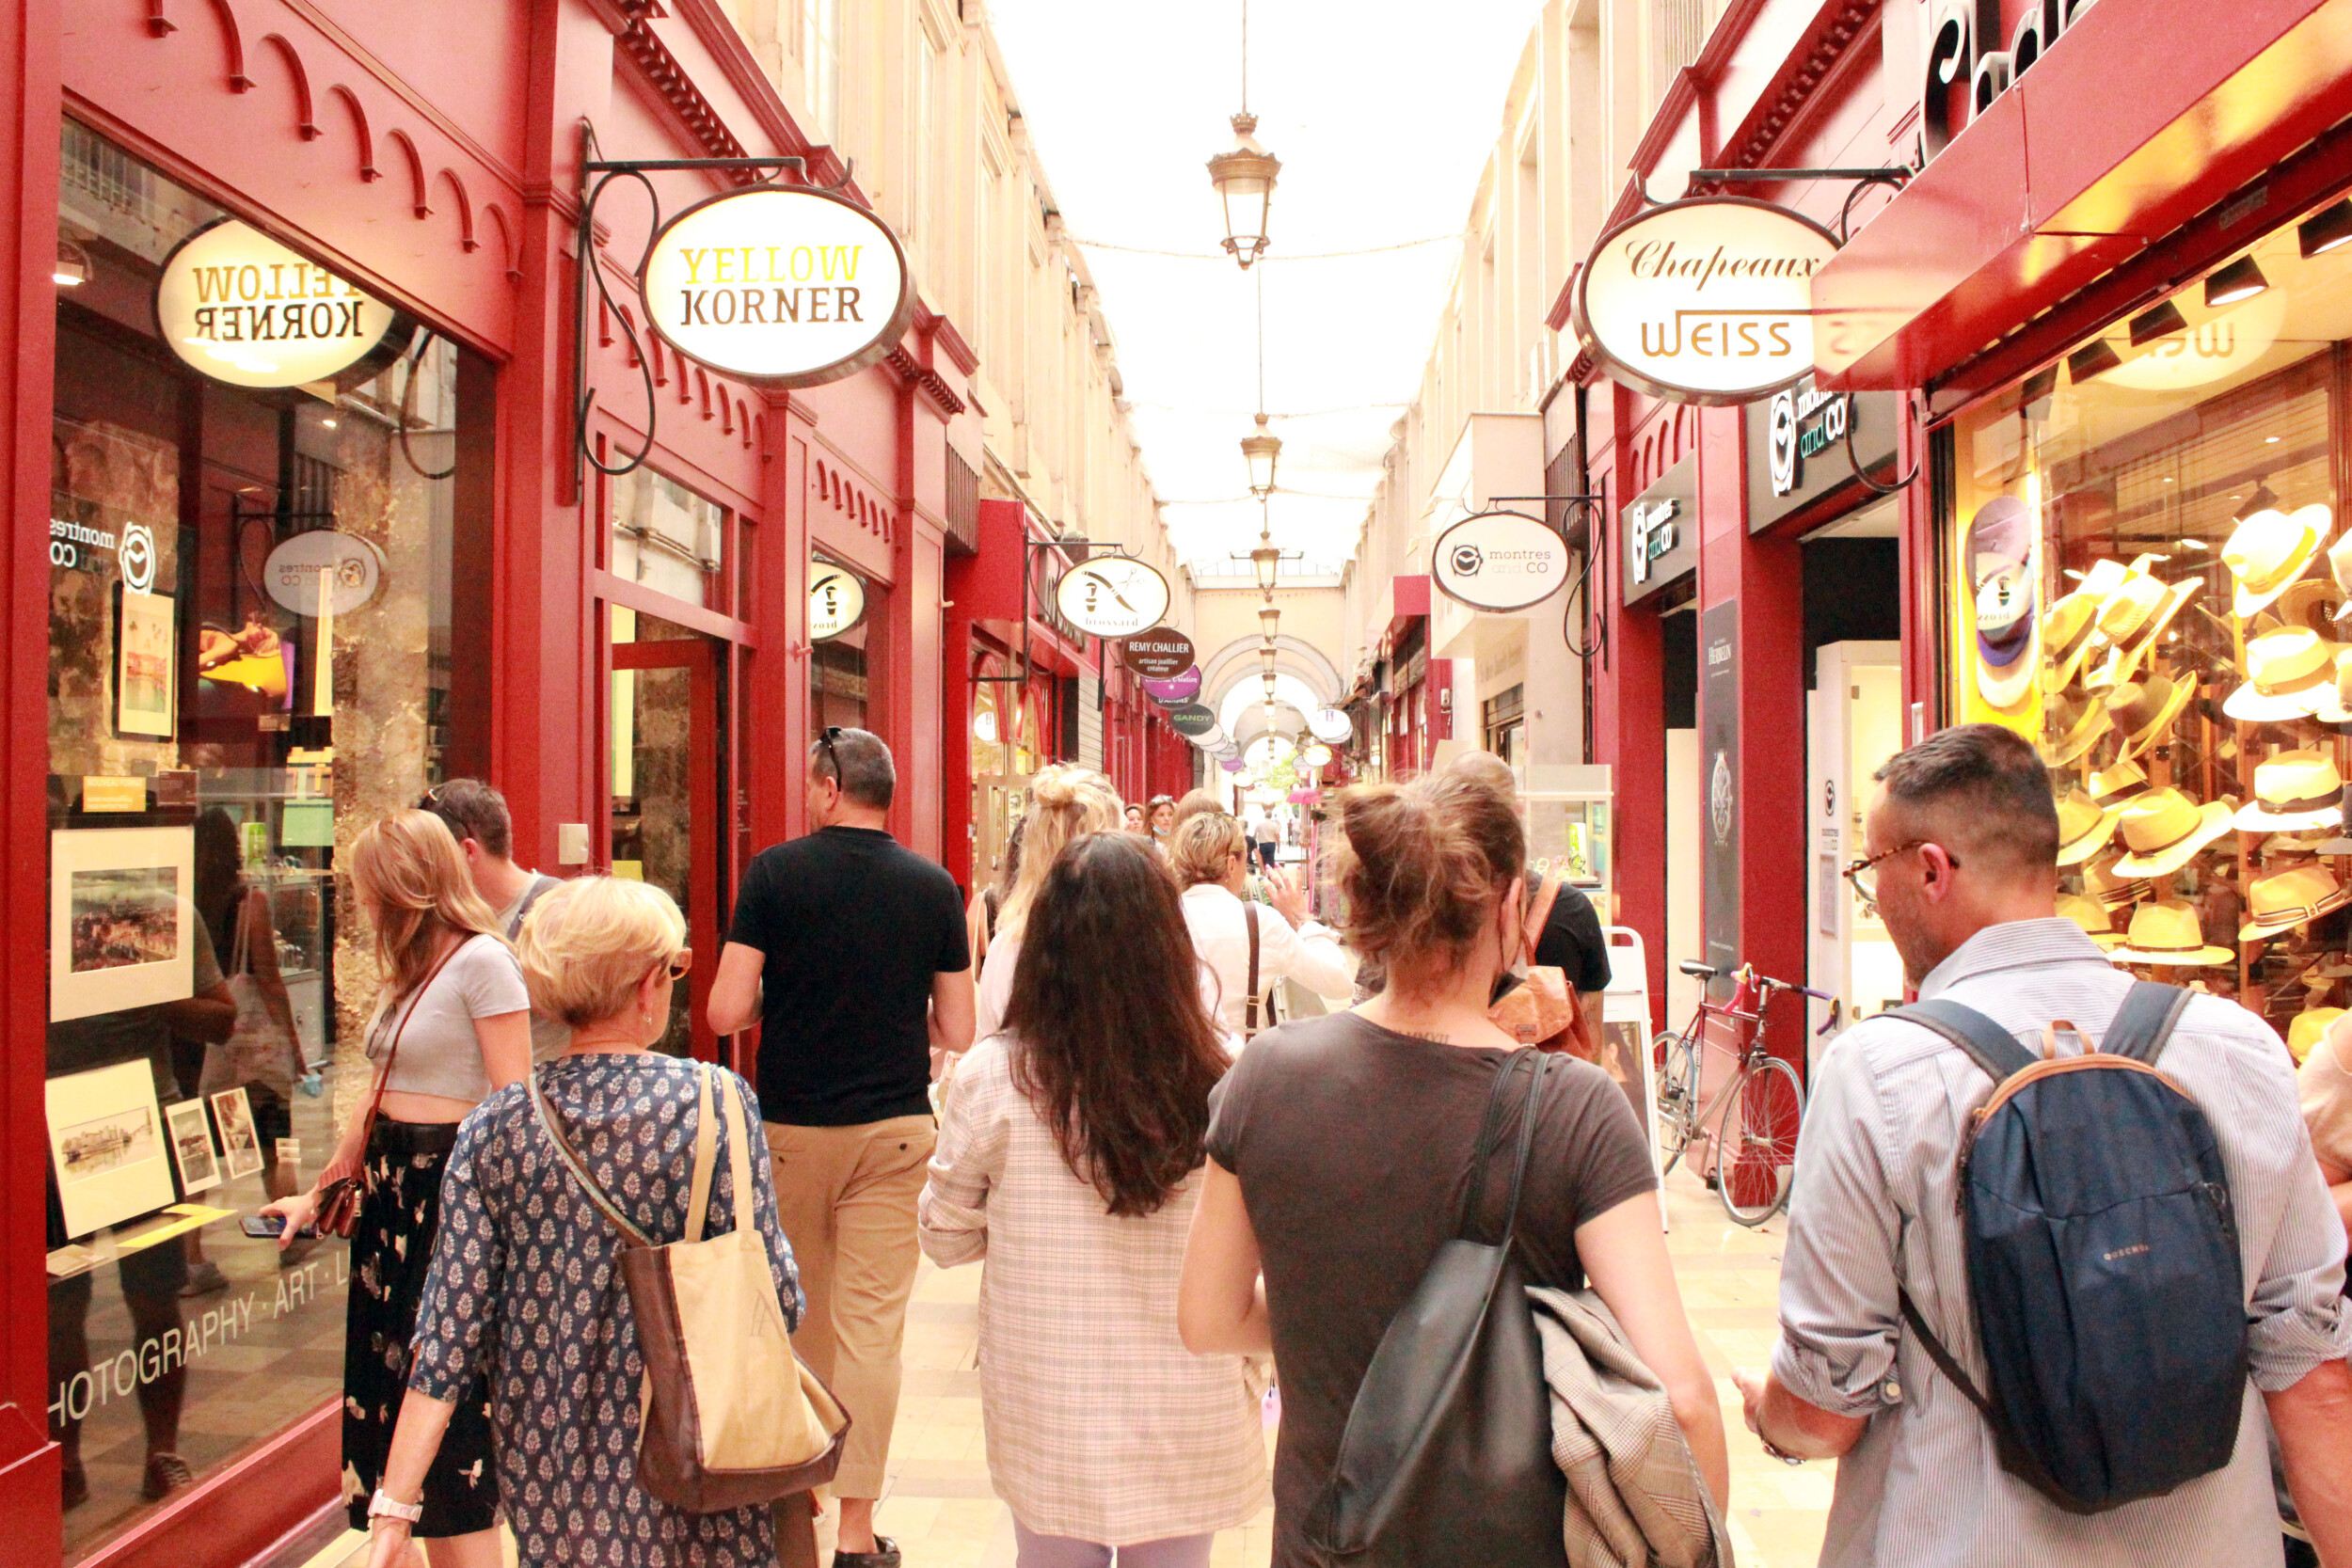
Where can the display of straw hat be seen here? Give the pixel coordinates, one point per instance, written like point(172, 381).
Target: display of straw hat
point(2269, 551)
point(2294, 792)
point(2142, 711)
point(2335, 702)
point(2165, 931)
point(2288, 675)
point(2314, 602)
point(2131, 603)
point(2308, 1028)
point(2285, 899)
point(2072, 728)
point(2118, 664)
point(2091, 917)
point(2164, 828)
point(2113, 888)
point(2084, 826)
point(2117, 782)
point(2070, 628)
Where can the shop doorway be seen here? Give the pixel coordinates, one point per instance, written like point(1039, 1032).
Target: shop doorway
point(666, 720)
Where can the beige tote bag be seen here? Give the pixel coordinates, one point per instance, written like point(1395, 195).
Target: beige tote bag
point(730, 1416)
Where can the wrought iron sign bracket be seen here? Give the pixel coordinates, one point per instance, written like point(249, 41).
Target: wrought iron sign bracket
point(1593, 505)
point(597, 172)
point(1893, 176)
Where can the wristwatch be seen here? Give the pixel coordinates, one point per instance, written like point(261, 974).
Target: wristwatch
point(383, 1507)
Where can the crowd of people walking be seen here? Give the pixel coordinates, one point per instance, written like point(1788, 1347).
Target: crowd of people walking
point(1077, 1081)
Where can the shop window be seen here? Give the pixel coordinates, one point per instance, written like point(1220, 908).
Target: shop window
point(2138, 575)
point(251, 656)
point(667, 538)
point(1505, 724)
point(844, 664)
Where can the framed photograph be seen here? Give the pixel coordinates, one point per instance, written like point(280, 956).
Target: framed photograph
point(123, 925)
point(145, 640)
point(107, 1141)
point(192, 1146)
point(240, 1147)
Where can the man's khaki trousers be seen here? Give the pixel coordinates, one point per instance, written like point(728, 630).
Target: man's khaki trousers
point(846, 1197)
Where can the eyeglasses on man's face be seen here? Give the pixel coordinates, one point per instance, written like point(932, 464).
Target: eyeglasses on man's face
point(1862, 874)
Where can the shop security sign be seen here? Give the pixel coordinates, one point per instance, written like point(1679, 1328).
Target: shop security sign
point(1705, 301)
point(781, 284)
point(243, 309)
point(1500, 561)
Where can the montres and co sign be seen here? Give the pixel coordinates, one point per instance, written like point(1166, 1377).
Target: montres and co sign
point(1706, 301)
point(780, 284)
point(243, 309)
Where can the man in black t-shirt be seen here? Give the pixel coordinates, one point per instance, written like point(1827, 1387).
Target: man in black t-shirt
point(850, 952)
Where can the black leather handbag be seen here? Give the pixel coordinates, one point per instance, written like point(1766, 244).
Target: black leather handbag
point(1446, 1462)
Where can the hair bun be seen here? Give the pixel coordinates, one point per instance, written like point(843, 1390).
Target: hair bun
point(1055, 787)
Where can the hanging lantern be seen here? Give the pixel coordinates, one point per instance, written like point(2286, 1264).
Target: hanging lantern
point(1262, 560)
point(1261, 450)
point(1244, 178)
point(1269, 695)
point(1267, 656)
point(1268, 619)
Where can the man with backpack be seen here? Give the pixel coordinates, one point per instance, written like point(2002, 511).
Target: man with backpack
point(2033, 1322)
point(477, 818)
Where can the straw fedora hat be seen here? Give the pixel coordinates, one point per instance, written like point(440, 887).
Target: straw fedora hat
point(2308, 1028)
point(2313, 602)
point(2073, 728)
point(2091, 917)
point(2115, 785)
point(2294, 792)
point(2070, 628)
point(2120, 663)
point(2288, 674)
point(2135, 596)
point(2269, 551)
point(2084, 826)
point(2164, 828)
point(2165, 932)
point(2142, 711)
point(2114, 888)
point(2335, 702)
point(2288, 898)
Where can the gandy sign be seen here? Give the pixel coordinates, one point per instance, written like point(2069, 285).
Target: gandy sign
point(780, 284)
point(1706, 301)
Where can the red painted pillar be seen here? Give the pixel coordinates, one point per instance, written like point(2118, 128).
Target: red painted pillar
point(775, 700)
point(29, 99)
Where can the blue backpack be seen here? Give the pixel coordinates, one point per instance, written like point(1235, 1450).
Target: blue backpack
point(2103, 1262)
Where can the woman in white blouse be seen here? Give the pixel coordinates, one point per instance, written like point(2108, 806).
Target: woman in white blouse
point(1211, 859)
point(1070, 1159)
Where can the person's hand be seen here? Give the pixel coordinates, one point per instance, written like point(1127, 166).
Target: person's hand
point(299, 1210)
point(1288, 898)
point(1751, 1385)
point(387, 1542)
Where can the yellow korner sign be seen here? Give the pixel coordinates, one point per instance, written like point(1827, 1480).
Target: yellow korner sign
point(778, 284)
point(1705, 301)
point(243, 309)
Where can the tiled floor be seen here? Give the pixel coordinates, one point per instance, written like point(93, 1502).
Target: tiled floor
point(944, 1513)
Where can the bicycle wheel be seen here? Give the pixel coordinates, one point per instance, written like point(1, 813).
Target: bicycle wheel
point(1756, 1142)
point(1677, 1094)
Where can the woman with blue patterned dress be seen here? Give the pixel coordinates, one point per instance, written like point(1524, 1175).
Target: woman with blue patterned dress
point(523, 1281)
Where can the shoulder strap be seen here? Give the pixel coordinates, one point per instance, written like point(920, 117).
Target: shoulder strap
point(241, 955)
point(1490, 1134)
point(2144, 1022)
point(391, 1053)
point(705, 1145)
point(570, 1156)
point(539, 884)
point(1540, 915)
point(1249, 918)
point(1990, 1046)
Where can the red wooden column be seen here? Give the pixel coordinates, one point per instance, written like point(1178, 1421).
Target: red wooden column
point(29, 90)
point(1764, 579)
point(776, 699)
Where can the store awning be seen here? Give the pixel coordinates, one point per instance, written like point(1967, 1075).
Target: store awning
point(2139, 117)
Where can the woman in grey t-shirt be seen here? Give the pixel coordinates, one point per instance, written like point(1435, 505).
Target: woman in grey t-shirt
point(452, 1023)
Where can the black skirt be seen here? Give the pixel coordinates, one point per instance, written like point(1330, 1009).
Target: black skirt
point(391, 1252)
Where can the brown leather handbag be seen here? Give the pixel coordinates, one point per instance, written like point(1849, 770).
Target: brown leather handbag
point(730, 1416)
point(338, 1212)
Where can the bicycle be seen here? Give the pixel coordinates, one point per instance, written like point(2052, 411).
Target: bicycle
point(1758, 1114)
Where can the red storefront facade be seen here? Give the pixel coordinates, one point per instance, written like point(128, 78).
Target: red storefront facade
point(626, 655)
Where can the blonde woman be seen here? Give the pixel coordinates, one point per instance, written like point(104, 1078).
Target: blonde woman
point(1210, 855)
point(529, 1263)
point(453, 1001)
point(1065, 802)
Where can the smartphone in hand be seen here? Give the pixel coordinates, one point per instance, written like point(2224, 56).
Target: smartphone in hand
point(269, 1228)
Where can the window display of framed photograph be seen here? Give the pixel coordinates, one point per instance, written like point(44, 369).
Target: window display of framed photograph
point(241, 1147)
point(107, 1142)
point(192, 1146)
point(144, 643)
point(121, 922)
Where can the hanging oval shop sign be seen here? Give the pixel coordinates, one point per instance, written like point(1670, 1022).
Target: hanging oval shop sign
point(779, 284)
point(1500, 561)
point(1330, 724)
point(1706, 301)
point(1158, 653)
point(1112, 596)
point(243, 309)
point(323, 569)
point(1193, 721)
point(836, 602)
point(1179, 687)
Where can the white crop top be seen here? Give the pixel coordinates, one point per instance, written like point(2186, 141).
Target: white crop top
point(439, 1053)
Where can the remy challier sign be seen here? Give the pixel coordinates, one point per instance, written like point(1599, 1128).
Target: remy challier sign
point(244, 310)
point(1706, 301)
point(778, 283)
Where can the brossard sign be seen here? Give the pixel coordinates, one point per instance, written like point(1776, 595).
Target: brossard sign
point(1706, 301)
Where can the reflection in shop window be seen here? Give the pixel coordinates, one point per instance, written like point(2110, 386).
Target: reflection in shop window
point(666, 537)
